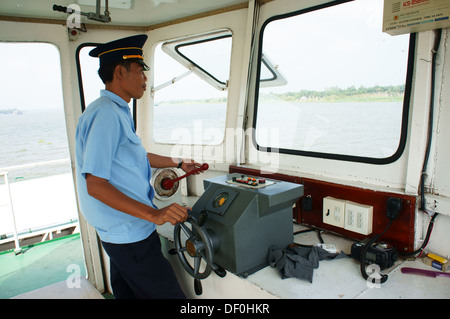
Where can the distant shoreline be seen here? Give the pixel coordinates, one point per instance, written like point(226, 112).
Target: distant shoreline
point(335, 99)
point(393, 93)
point(11, 111)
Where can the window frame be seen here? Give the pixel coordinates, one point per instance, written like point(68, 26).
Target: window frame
point(171, 48)
point(350, 158)
point(79, 73)
point(187, 44)
point(80, 81)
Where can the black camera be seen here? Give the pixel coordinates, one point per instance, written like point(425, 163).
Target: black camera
point(382, 254)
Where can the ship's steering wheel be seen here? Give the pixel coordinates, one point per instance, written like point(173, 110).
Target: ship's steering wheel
point(200, 245)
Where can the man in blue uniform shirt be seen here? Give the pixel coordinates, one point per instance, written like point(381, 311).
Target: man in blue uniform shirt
point(113, 174)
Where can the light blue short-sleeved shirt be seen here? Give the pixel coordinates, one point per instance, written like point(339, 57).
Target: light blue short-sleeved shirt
point(108, 147)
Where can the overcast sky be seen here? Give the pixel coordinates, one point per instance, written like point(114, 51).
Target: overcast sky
point(31, 76)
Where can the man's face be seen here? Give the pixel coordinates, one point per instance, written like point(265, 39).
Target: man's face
point(134, 81)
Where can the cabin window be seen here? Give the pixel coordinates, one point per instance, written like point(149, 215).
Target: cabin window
point(32, 125)
point(190, 89)
point(34, 154)
point(347, 86)
point(89, 82)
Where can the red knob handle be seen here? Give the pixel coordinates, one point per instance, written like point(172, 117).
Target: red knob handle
point(167, 183)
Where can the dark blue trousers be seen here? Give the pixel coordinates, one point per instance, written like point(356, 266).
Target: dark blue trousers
point(140, 270)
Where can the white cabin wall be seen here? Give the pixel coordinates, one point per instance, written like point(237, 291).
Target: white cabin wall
point(389, 177)
point(402, 176)
point(57, 35)
point(419, 110)
point(437, 178)
point(439, 174)
point(236, 21)
point(437, 182)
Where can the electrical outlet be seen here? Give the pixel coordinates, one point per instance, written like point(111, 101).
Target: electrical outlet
point(333, 211)
point(358, 218)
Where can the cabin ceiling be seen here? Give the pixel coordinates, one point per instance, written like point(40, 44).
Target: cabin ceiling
point(122, 12)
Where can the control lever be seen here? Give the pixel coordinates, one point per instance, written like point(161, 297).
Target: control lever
point(173, 251)
point(220, 271)
point(198, 288)
point(167, 183)
point(202, 218)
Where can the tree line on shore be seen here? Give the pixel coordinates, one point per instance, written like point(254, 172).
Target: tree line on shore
point(377, 92)
point(332, 94)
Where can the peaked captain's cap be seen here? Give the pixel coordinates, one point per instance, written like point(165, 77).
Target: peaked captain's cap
point(121, 49)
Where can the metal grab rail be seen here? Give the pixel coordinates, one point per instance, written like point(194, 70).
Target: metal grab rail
point(17, 250)
point(4, 172)
point(12, 168)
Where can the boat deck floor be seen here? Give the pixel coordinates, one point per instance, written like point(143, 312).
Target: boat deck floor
point(55, 270)
point(52, 269)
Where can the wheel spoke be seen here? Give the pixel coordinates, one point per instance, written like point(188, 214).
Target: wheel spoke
point(187, 231)
point(197, 261)
point(203, 255)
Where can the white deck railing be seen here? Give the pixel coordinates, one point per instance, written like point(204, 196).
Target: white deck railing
point(4, 172)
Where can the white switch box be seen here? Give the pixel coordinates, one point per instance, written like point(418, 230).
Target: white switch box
point(333, 211)
point(358, 218)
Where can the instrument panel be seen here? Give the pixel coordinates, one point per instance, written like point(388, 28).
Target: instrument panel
point(250, 181)
point(224, 196)
point(221, 200)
